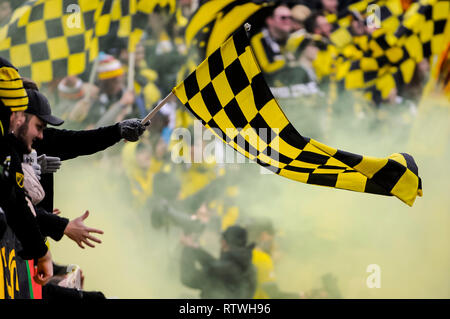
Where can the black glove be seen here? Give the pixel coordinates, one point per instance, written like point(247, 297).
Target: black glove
point(131, 129)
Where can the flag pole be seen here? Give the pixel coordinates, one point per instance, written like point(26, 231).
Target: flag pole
point(157, 108)
point(131, 72)
point(92, 78)
point(131, 63)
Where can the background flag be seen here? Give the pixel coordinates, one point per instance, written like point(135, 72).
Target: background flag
point(47, 40)
point(52, 39)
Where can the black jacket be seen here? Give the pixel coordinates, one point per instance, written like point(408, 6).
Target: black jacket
point(67, 144)
point(232, 276)
point(12, 199)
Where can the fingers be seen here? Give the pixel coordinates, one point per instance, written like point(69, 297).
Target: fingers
point(85, 215)
point(53, 166)
point(56, 211)
point(98, 241)
point(53, 159)
point(88, 243)
point(80, 244)
point(38, 278)
point(93, 230)
point(42, 278)
point(92, 238)
point(86, 238)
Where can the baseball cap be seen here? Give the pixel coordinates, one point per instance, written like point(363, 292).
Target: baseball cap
point(38, 105)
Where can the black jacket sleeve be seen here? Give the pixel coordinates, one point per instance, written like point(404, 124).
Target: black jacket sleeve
point(50, 224)
point(68, 144)
point(191, 276)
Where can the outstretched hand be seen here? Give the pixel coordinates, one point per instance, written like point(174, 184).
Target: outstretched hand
point(132, 129)
point(80, 233)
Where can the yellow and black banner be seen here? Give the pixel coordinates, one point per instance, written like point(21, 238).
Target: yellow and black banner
point(228, 93)
point(15, 279)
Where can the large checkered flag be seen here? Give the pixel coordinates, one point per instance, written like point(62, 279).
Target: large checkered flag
point(228, 93)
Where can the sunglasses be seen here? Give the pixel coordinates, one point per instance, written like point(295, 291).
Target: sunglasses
point(284, 18)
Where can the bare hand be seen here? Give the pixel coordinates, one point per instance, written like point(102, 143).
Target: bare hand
point(44, 269)
point(56, 211)
point(80, 233)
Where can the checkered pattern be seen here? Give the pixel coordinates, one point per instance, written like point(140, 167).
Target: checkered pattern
point(40, 42)
point(123, 19)
point(215, 21)
point(228, 93)
point(395, 49)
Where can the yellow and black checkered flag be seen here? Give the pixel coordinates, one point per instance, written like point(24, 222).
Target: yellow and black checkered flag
point(50, 39)
point(228, 93)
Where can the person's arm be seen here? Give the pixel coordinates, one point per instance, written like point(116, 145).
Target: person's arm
point(51, 225)
point(68, 144)
point(191, 276)
point(56, 227)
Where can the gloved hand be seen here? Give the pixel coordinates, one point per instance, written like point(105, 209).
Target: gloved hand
point(132, 129)
point(49, 164)
point(32, 160)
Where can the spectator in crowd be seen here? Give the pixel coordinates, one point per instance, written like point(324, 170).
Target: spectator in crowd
point(37, 116)
point(299, 14)
point(5, 12)
point(146, 91)
point(317, 23)
point(327, 6)
point(231, 276)
point(13, 203)
point(75, 99)
point(115, 102)
point(68, 144)
point(262, 232)
point(268, 44)
point(50, 224)
point(328, 290)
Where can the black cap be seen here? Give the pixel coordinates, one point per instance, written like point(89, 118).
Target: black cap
point(235, 236)
point(38, 105)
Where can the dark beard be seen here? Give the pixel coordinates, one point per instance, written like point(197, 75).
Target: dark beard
point(21, 134)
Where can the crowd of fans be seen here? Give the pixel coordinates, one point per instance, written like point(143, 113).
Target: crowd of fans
point(196, 198)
